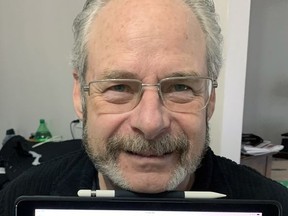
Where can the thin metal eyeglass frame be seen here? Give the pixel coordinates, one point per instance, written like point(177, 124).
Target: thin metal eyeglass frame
point(214, 82)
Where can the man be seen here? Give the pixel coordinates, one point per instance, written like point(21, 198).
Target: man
point(144, 86)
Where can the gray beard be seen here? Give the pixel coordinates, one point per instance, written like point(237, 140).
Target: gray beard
point(106, 162)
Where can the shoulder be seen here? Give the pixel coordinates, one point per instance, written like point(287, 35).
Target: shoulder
point(225, 176)
point(246, 183)
point(55, 168)
point(43, 179)
point(50, 170)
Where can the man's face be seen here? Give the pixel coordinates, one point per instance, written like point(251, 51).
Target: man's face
point(150, 148)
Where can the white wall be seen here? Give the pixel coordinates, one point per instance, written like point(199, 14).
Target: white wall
point(266, 96)
point(226, 124)
point(36, 81)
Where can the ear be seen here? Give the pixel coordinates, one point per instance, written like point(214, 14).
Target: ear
point(77, 97)
point(211, 105)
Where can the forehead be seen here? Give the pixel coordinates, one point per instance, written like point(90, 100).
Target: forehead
point(133, 30)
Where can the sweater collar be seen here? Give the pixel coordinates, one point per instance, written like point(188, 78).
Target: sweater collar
point(208, 177)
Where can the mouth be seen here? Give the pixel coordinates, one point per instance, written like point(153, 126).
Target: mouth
point(149, 154)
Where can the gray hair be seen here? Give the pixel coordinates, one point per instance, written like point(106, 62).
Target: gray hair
point(203, 9)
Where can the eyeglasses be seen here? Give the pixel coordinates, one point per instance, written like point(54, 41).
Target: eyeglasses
point(178, 94)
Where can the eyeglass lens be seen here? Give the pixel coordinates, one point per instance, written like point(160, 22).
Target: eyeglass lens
point(178, 94)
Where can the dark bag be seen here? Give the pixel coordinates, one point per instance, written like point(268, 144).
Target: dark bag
point(18, 155)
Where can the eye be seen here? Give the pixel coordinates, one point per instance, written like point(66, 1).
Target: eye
point(180, 87)
point(120, 88)
point(176, 87)
point(118, 93)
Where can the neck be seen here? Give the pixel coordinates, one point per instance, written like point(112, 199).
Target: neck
point(186, 185)
point(105, 183)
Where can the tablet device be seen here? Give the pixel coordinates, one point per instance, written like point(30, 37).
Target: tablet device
point(79, 206)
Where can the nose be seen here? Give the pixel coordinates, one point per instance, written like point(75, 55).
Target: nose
point(150, 118)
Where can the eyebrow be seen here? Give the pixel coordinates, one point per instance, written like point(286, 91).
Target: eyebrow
point(122, 74)
point(184, 74)
point(118, 74)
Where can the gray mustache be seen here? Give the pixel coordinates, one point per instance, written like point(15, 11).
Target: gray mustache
point(138, 145)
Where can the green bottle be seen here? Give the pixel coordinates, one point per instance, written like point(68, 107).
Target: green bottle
point(42, 134)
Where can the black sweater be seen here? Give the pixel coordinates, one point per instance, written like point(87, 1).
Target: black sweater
point(65, 175)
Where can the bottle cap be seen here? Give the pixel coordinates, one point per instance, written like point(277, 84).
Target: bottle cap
point(10, 132)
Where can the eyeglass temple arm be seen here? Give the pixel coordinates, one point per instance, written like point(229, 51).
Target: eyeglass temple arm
point(86, 88)
point(214, 83)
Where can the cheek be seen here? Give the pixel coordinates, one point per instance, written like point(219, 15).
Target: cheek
point(102, 126)
point(194, 126)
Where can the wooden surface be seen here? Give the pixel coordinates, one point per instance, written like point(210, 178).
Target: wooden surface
point(261, 163)
point(279, 171)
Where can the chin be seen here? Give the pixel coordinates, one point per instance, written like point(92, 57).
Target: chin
point(150, 188)
point(151, 182)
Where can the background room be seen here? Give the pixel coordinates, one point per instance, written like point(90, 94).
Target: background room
point(36, 76)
